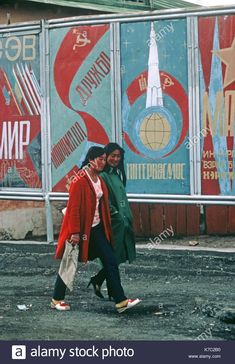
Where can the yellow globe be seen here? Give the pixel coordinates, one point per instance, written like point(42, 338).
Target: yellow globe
point(155, 131)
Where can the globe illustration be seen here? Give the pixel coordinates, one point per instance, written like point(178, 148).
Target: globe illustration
point(155, 131)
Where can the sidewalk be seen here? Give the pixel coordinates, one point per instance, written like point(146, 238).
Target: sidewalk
point(203, 242)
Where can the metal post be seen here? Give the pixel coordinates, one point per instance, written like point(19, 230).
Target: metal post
point(191, 104)
point(197, 157)
point(117, 54)
point(112, 73)
point(46, 157)
point(49, 220)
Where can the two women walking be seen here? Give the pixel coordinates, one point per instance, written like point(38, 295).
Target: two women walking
point(87, 222)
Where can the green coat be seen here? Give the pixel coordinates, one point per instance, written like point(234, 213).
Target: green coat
point(121, 217)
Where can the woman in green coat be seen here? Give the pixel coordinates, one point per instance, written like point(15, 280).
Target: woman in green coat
point(121, 217)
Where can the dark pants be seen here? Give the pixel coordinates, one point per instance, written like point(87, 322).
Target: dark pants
point(100, 277)
point(104, 251)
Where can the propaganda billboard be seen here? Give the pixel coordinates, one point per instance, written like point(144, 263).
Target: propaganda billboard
point(217, 96)
point(154, 83)
point(20, 111)
point(80, 97)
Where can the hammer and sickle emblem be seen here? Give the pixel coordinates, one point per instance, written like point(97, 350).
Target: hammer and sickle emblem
point(167, 81)
point(81, 40)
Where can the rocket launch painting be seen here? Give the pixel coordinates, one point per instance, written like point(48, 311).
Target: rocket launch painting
point(155, 105)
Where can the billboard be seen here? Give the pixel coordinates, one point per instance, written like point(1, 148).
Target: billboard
point(154, 82)
point(20, 111)
point(217, 95)
point(84, 92)
point(80, 97)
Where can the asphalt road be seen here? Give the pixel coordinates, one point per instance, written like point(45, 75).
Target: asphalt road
point(186, 295)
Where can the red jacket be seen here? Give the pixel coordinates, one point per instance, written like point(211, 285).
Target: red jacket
point(79, 216)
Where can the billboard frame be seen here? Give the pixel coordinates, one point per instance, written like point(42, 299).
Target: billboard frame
point(43, 28)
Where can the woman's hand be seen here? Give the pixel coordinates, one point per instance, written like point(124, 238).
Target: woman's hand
point(74, 239)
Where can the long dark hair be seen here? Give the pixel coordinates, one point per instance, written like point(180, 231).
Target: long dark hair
point(92, 154)
point(110, 148)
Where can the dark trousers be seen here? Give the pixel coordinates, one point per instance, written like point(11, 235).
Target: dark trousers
point(100, 277)
point(104, 251)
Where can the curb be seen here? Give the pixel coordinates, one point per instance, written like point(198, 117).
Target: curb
point(188, 248)
point(142, 245)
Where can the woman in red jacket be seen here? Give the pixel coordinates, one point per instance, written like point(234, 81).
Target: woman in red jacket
point(87, 223)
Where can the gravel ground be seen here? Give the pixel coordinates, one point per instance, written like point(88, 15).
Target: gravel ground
point(186, 295)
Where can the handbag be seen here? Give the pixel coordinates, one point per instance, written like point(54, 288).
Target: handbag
point(68, 264)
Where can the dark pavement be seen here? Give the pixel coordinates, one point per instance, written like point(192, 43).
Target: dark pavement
point(187, 295)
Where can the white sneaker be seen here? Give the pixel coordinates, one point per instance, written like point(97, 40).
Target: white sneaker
point(60, 305)
point(130, 304)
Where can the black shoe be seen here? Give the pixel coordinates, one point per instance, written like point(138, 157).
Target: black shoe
point(96, 287)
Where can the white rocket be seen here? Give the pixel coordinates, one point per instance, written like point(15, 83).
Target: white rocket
point(154, 90)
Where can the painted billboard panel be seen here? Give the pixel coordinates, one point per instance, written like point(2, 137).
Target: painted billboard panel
point(217, 94)
point(20, 120)
point(154, 75)
point(80, 97)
